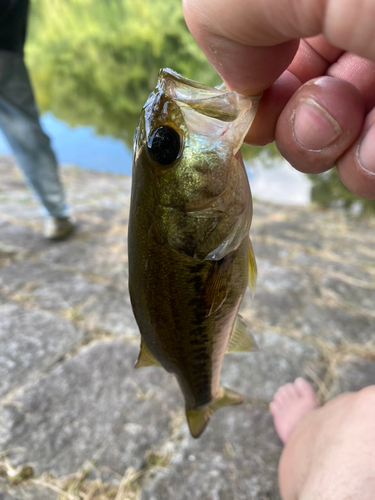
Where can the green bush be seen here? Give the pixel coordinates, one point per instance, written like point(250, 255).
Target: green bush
point(94, 62)
point(329, 192)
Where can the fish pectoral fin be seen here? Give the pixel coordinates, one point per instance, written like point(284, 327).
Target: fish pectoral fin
point(199, 418)
point(239, 230)
point(216, 287)
point(252, 269)
point(241, 339)
point(145, 357)
point(239, 223)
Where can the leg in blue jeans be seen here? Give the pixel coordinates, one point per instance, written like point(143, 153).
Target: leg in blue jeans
point(19, 122)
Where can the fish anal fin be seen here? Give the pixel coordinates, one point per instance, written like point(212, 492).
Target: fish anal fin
point(145, 357)
point(241, 339)
point(199, 418)
point(216, 287)
point(252, 269)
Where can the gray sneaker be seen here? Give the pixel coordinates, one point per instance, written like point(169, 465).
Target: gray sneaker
point(59, 228)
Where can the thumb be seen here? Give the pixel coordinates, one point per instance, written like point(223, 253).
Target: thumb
point(251, 42)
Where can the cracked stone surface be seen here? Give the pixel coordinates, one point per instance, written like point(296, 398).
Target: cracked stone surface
point(354, 374)
point(31, 341)
point(69, 395)
point(48, 288)
point(230, 461)
point(279, 360)
point(111, 310)
point(96, 401)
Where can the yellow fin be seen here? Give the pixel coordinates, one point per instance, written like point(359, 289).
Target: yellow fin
point(241, 339)
point(198, 419)
point(145, 358)
point(252, 269)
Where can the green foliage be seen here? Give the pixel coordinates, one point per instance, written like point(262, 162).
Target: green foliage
point(269, 153)
point(94, 62)
point(328, 192)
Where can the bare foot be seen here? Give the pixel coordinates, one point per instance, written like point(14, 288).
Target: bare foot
point(290, 404)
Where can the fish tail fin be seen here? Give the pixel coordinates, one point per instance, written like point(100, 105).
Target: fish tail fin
point(199, 418)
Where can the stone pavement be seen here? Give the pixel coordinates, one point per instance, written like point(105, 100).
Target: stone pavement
point(77, 422)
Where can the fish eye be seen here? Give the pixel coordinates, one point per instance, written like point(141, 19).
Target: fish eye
point(164, 145)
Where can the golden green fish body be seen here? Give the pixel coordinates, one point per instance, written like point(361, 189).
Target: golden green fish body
point(188, 233)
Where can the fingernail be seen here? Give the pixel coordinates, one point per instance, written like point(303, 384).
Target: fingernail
point(314, 127)
point(366, 152)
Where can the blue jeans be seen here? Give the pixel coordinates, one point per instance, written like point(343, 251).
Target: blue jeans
point(19, 121)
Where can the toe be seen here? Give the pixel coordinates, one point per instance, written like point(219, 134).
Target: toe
point(287, 393)
point(281, 397)
point(305, 390)
point(275, 409)
point(291, 391)
point(303, 387)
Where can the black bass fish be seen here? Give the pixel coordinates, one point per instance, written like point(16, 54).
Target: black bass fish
point(190, 256)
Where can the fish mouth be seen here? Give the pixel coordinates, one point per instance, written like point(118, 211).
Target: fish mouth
point(210, 101)
point(207, 110)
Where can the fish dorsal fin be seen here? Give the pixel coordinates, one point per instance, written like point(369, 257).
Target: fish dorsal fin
point(145, 357)
point(216, 287)
point(252, 269)
point(241, 339)
point(199, 418)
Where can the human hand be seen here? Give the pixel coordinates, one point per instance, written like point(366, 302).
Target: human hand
point(315, 62)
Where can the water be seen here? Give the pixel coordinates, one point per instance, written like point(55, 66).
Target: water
point(93, 63)
point(280, 183)
point(82, 147)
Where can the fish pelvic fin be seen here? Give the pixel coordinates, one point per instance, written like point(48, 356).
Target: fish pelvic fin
point(199, 418)
point(241, 339)
point(252, 269)
point(145, 357)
